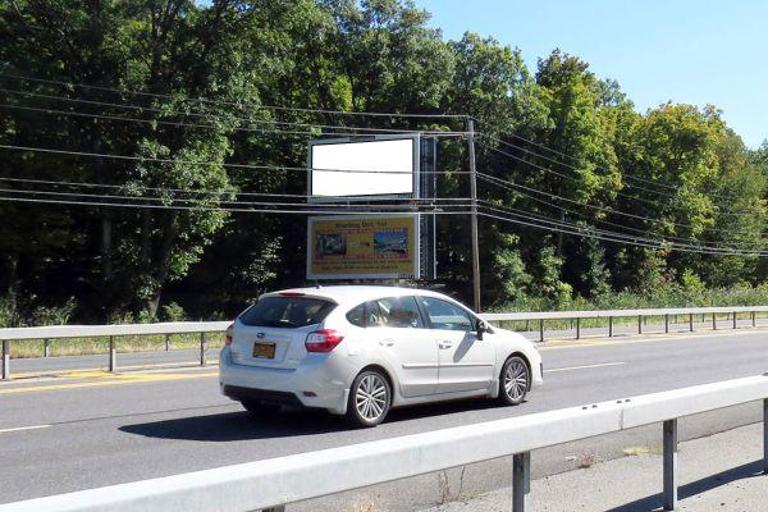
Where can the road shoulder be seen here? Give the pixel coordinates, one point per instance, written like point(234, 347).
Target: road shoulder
point(719, 472)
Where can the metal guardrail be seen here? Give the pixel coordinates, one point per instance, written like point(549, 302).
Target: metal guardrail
point(98, 331)
point(271, 484)
point(203, 328)
point(610, 314)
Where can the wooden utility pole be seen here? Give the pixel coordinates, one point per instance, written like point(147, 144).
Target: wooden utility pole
point(473, 215)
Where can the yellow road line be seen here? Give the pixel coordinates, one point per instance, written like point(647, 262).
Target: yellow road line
point(109, 380)
point(67, 373)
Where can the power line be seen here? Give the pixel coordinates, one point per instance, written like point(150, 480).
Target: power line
point(510, 185)
point(318, 211)
point(616, 238)
point(207, 162)
point(618, 193)
point(621, 226)
point(572, 167)
point(179, 124)
point(429, 202)
point(663, 243)
point(616, 224)
point(232, 103)
point(290, 208)
point(218, 193)
point(141, 108)
point(86, 184)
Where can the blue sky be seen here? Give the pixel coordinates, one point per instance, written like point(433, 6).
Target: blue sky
point(686, 51)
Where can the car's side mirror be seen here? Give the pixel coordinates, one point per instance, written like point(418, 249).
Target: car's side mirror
point(481, 328)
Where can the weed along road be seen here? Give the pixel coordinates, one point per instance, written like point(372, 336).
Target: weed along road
point(90, 429)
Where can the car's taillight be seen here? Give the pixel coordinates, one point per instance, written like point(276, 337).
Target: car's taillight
point(228, 336)
point(323, 340)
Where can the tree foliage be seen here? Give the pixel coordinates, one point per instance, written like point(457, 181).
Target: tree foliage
point(183, 90)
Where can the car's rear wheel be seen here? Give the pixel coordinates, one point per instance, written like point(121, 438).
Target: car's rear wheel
point(369, 399)
point(514, 381)
point(260, 409)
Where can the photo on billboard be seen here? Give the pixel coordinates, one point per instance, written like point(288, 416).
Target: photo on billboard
point(364, 247)
point(381, 166)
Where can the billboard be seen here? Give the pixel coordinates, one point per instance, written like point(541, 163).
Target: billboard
point(363, 247)
point(364, 167)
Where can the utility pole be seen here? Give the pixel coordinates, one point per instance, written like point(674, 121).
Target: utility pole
point(473, 195)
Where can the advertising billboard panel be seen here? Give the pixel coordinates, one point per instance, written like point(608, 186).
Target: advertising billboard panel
point(380, 166)
point(363, 247)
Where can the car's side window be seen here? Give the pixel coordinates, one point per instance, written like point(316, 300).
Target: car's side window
point(356, 316)
point(400, 312)
point(447, 316)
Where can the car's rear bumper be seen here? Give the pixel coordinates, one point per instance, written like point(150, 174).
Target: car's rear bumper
point(261, 395)
point(312, 385)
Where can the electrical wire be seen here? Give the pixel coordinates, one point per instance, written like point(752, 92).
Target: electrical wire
point(86, 184)
point(233, 103)
point(588, 232)
point(512, 186)
point(618, 193)
point(415, 203)
point(261, 167)
point(572, 167)
point(141, 108)
point(179, 124)
point(318, 211)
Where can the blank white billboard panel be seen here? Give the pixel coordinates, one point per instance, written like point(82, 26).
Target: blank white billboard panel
point(383, 167)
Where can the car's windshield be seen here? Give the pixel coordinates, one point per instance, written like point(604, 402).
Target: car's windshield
point(288, 312)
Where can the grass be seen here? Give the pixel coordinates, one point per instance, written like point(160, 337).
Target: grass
point(100, 345)
point(635, 451)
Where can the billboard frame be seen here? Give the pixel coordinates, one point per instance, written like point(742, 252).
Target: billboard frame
point(415, 174)
point(417, 220)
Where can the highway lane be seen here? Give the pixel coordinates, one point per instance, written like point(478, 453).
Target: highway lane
point(57, 438)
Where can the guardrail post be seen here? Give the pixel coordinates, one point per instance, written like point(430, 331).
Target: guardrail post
point(521, 480)
point(639, 325)
point(112, 355)
point(578, 328)
point(670, 464)
point(610, 327)
point(6, 360)
point(167, 342)
point(203, 348)
point(666, 323)
point(753, 319)
point(714, 321)
point(734, 319)
point(690, 322)
point(46, 347)
point(765, 436)
point(541, 330)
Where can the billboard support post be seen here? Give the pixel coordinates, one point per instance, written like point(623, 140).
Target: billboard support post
point(473, 196)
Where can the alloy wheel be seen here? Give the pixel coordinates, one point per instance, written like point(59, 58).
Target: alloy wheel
point(516, 380)
point(371, 397)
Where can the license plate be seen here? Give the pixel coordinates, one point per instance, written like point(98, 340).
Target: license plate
point(264, 350)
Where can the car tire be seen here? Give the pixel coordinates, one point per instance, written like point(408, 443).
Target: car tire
point(514, 381)
point(259, 409)
point(370, 398)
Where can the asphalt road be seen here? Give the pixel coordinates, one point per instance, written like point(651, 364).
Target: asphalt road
point(64, 434)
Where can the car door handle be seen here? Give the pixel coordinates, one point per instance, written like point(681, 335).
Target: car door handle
point(445, 344)
point(386, 343)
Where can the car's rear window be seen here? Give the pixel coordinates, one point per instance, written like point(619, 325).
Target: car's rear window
point(287, 312)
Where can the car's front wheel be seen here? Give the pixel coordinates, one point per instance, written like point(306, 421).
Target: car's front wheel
point(369, 399)
point(514, 381)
